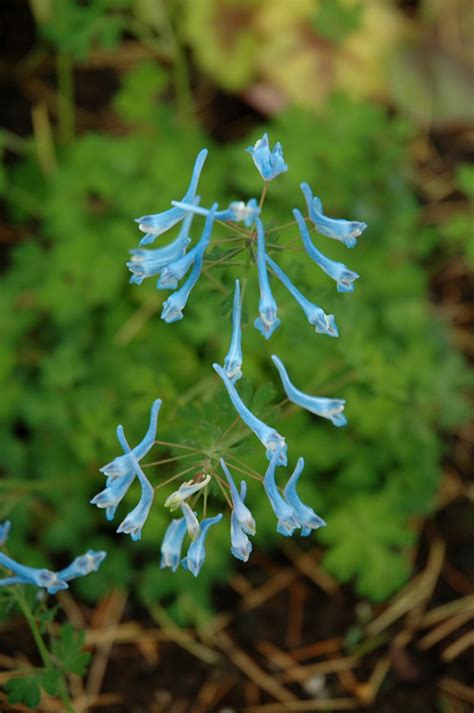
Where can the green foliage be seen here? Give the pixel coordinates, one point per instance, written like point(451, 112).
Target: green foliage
point(68, 649)
point(335, 19)
point(83, 350)
point(26, 690)
point(457, 230)
point(75, 27)
point(368, 537)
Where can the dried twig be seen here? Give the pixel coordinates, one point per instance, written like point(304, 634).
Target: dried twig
point(243, 662)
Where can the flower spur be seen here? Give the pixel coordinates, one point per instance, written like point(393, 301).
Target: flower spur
point(149, 263)
point(274, 443)
point(237, 212)
point(241, 546)
point(242, 513)
point(268, 320)
point(322, 322)
point(176, 270)
point(327, 408)
point(154, 225)
point(133, 523)
point(341, 274)
point(197, 552)
point(346, 231)
point(124, 464)
point(172, 544)
point(233, 359)
point(306, 517)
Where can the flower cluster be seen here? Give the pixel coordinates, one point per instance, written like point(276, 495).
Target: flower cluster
point(51, 581)
point(180, 260)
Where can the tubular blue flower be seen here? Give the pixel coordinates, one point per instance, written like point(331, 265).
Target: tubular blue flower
point(307, 518)
point(341, 274)
point(274, 443)
point(172, 544)
point(233, 360)
point(327, 408)
point(173, 307)
point(268, 320)
point(175, 271)
point(31, 575)
point(110, 498)
point(241, 547)
point(154, 225)
point(196, 552)
point(192, 523)
point(83, 565)
point(269, 163)
point(185, 490)
point(238, 211)
point(242, 513)
point(147, 263)
point(287, 520)
point(346, 231)
point(322, 322)
point(124, 464)
point(133, 523)
point(4, 531)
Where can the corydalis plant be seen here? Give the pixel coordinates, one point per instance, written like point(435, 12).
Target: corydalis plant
point(170, 264)
point(53, 582)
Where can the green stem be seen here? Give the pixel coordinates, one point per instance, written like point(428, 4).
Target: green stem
point(263, 195)
point(41, 646)
point(65, 79)
point(29, 616)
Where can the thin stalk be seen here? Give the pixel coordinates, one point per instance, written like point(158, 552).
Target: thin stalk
point(41, 646)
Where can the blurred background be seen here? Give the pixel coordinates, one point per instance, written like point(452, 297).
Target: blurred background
point(104, 105)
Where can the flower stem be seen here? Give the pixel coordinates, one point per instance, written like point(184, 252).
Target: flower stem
point(41, 646)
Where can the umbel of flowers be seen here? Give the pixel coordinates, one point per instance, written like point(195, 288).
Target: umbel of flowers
point(177, 266)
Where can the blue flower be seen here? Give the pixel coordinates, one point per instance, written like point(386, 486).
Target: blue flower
point(31, 575)
point(173, 307)
point(196, 553)
point(327, 408)
point(233, 360)
point(4, 531)
point(346, 231)
point(245, 213)
point(242, 513)
point(241, 547)
point(185, 490)
point(287, 521)
point(238, 211)
point(269, 163)
point(268, 320)
point(133, 523)
point(322, 322)
point(82, 565)
point(124, 464)
point(147, 263)
point(172, 544)
point(176, 270)
point(274, 443)
point(110, 498)
point(154, 225)
point(307, 518)
point(192, 523)
point(341, 274)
